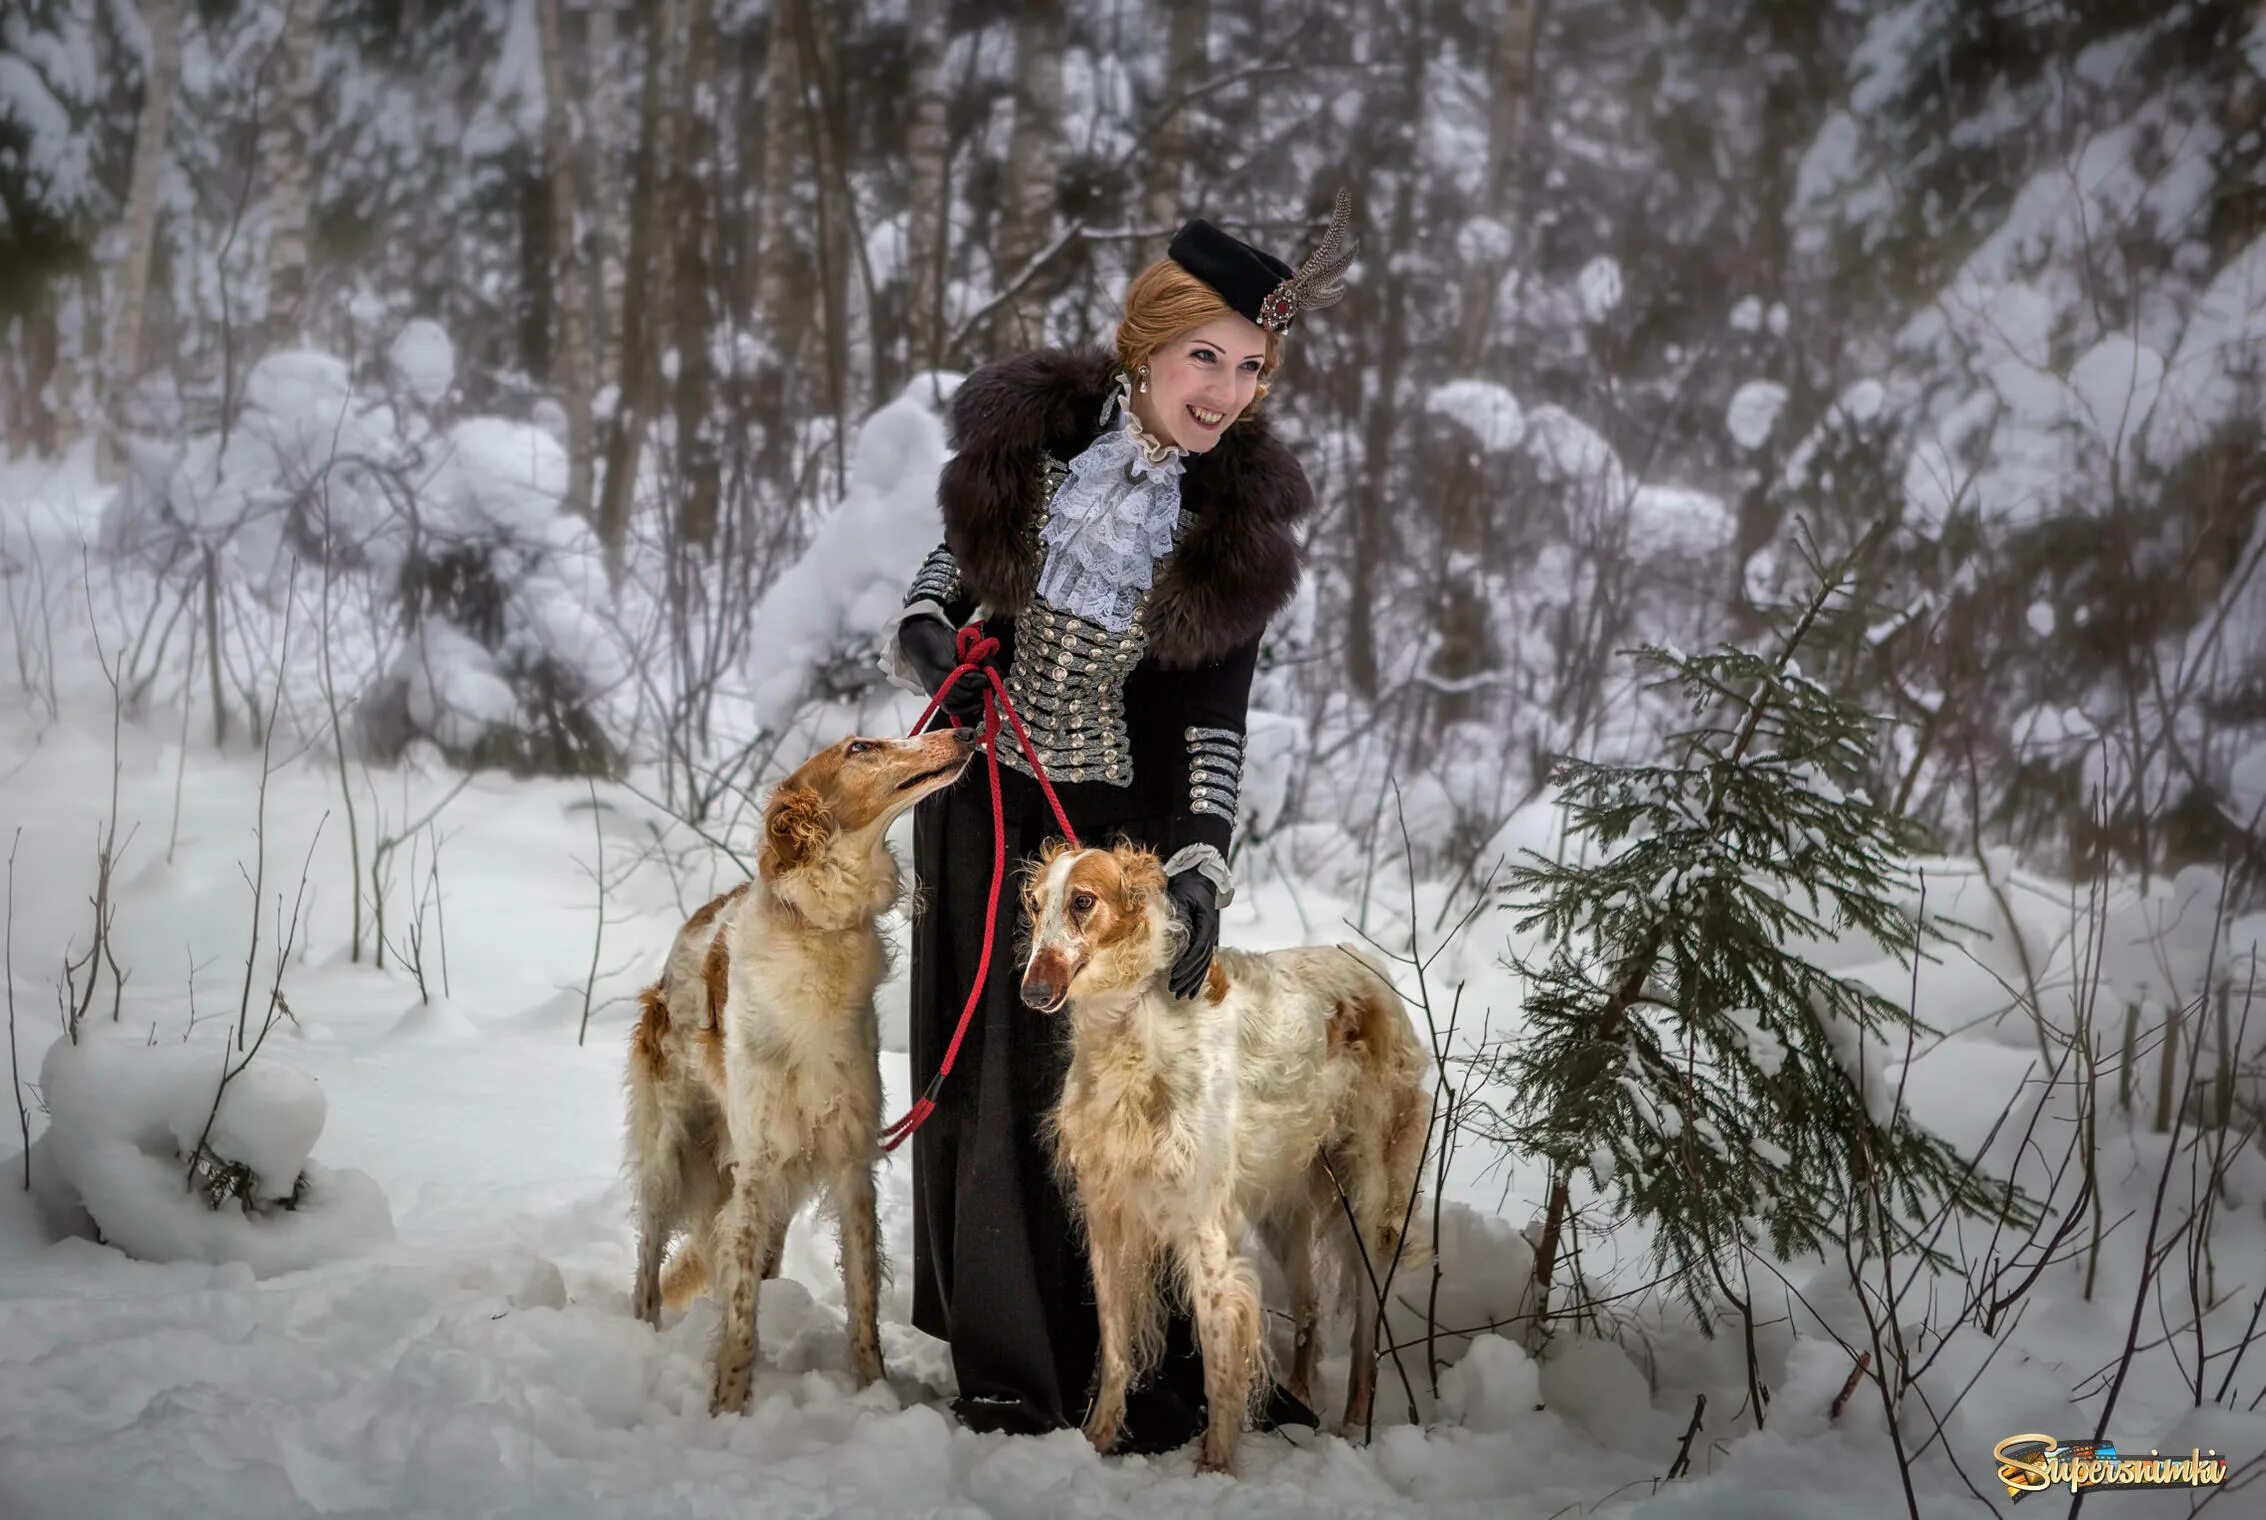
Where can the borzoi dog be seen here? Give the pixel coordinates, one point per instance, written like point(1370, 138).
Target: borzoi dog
point(1288, 1094)
point(754, 1076)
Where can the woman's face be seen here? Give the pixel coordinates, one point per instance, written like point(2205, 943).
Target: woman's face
point(1202, 380)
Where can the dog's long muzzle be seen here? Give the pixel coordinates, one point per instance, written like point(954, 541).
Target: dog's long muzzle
point(1046, 981)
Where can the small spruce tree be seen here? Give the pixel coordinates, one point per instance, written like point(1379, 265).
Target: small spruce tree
point(1679, 1045)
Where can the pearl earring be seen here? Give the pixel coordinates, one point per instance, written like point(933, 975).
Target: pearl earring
point(1144, 378)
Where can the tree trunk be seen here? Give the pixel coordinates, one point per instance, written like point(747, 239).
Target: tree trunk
point(609, 212)
point(928, 155)
point(1537, 1306)
point(1394, 150)
point(33, 408)
point(638, 372)
point(1466, 649)
point(293, 136)
point(570, 371)
point(162, 69)
point(1033, 169)
point(700, 476)
point(785, 296)
point(1171, 149)
point(842, 242)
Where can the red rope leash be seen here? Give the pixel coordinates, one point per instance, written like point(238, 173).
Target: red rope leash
point(974, 648)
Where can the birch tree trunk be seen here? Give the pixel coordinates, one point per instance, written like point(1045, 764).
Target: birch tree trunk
point(1169, 157)
point(162, 69)
point(570, 374)
point(928, 155)
point(1033, 169)
point(291, 154)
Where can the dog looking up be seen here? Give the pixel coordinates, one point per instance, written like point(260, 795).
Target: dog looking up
point(754, 1072)
point(1181, 1122)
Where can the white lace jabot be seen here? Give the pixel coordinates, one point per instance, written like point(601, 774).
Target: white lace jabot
point(1112, 520)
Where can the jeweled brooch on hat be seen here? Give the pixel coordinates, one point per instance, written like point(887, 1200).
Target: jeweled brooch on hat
point(1261, 287)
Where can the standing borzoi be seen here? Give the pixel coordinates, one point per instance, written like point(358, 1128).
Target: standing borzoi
point(1287, 1094)
point(754, 1073)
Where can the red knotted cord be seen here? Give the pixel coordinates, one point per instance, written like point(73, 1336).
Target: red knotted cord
point(974, 648)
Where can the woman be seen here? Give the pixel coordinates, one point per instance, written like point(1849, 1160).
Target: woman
point(1122, 522)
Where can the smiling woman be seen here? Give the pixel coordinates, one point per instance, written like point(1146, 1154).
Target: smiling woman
point(1123, 522)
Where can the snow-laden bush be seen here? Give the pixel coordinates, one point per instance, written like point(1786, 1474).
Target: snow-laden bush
point(136, 1149)
point(460, 603)
point(813, 632)
point(499, 592)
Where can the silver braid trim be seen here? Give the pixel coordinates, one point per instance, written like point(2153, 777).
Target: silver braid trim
point(1068, 681)
point(1215, 770)
point(937, 580)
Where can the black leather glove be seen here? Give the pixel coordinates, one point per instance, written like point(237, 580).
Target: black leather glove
point(1197, 901)
point(931, 647)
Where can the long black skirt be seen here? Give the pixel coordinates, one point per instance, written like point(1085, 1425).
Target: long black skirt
point(999, 1264)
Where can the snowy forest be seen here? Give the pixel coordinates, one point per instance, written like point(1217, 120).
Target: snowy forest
point(1779, 678)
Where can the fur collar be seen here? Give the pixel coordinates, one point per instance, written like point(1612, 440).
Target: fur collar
point(1238, 561)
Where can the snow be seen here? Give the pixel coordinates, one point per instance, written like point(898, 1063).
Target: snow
point(1673, 521)
point(513, 101)
point(1494, 1387)
point(1600, 286)
point(123, 1116)
point(476, 1355)
point(424, 359)
point(1484, 408)
point(824, 611)
point(1570, 450)
point(1754, 412)
point(497, 479)
point(1483, 240)
point(2215, 368)
point(456, 689)
point(53, 154)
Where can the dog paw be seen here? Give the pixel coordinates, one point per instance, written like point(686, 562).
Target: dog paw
point(645, 1303)
point(867, 1371)
point(1103, 1435)
point(729, 1395)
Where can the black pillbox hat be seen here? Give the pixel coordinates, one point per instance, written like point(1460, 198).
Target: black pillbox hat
point(1243, 275)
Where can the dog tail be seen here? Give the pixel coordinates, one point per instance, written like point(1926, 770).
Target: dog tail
point(686, 1276)
point(1374, 1018)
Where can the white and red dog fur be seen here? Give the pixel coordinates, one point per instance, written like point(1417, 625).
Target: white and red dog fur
point(754, 1072)
point(1183, 1121)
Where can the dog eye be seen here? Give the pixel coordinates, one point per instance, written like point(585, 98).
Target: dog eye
point(860, 746)
point(1081, 903)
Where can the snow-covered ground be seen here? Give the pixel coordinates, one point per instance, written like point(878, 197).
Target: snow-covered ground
point(481, 1358)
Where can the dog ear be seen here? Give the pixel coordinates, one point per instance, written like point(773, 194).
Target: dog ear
point(796, 828)
point(1141, 872)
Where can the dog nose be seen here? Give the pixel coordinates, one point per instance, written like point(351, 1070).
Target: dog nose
point(1040, 991)
point(967, 735)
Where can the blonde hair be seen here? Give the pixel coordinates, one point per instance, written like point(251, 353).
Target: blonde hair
point(1165, 301)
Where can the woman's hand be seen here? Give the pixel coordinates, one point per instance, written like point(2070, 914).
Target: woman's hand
point(931, 647)
point(1197, 901)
